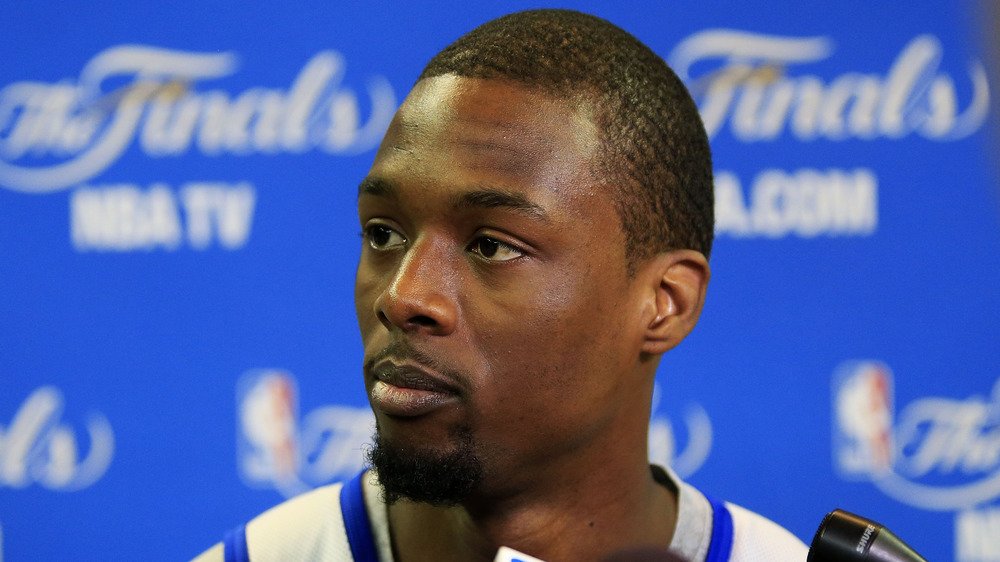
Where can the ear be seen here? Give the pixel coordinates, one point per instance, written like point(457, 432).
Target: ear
point(678, 281)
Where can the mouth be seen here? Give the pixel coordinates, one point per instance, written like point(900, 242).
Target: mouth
point(408, 390)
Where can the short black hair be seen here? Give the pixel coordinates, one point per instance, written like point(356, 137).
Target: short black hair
point(655, 151)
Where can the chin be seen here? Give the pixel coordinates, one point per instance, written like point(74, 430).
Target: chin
point(438, 476)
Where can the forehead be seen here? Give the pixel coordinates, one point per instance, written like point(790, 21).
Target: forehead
point(455, 133)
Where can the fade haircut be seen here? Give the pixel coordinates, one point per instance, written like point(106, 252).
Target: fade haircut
point(654, 149)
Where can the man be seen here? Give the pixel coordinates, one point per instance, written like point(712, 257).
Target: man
point(536, 227)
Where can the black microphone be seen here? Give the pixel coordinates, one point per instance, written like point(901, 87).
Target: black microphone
point(845, 537)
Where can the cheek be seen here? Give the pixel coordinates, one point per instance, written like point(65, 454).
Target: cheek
point(557, 343)
point(365, 291)
point(549, 388)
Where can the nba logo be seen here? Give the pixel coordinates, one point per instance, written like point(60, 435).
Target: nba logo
point(267, 406)
point(863, 443)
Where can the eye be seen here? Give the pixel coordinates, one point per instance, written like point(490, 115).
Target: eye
point(494, 250)
point(381, 237)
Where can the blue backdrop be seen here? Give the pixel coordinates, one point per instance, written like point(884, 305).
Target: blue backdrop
point(178, 238)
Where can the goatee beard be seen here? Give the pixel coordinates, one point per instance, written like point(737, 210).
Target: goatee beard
point(437, 478)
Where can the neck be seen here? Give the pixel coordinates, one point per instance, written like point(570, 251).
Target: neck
point(570, 512)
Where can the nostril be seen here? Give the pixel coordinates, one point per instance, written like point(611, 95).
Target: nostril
point(413, 321)
point(421, 320)
point(382, 318)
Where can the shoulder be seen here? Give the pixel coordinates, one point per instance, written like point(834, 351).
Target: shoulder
point(758, 539)
point(754, 538)
point(306, 527)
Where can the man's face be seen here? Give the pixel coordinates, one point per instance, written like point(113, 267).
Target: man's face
point(492, 293)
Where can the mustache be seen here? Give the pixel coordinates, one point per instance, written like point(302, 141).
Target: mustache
point(401, 350)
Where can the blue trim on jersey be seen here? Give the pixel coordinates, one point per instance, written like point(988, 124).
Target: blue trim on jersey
point(234, 545)
point(721, 545)
point(359, 531)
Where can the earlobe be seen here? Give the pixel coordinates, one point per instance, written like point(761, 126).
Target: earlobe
point(678, 281)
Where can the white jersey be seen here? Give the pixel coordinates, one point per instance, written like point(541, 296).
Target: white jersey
point(348, 523)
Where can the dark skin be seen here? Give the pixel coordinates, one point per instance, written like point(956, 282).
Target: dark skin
point(490, 247)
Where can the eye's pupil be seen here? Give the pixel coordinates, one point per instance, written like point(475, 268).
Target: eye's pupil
point(488, 247)
point(380, 235)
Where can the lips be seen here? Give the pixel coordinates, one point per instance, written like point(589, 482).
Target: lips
point(409, 391)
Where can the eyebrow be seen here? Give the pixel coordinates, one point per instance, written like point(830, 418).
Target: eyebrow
point(377, 187)
point(483, 197)
point(494, 198)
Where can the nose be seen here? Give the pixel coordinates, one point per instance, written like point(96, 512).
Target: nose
point(420, 295)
